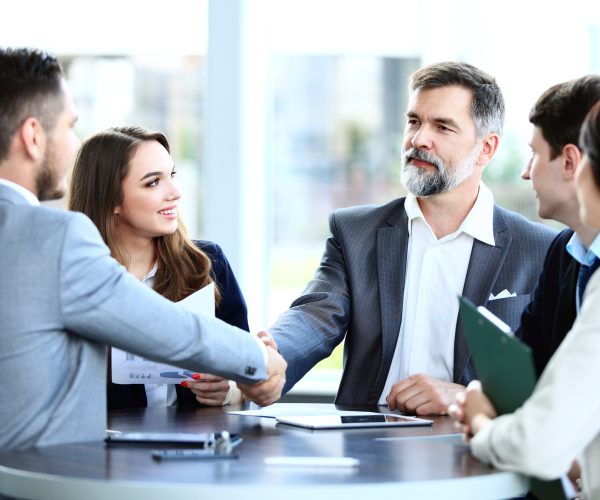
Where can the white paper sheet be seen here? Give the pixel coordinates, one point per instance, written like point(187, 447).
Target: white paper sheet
point(132, 369)
point(297, 410)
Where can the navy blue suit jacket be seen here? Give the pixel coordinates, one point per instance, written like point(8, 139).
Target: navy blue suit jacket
point(232, 309)
point(551, 313)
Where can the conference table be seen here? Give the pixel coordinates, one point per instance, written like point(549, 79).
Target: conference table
point(411, 462)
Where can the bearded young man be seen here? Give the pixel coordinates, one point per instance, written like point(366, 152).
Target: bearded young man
point(63, 298)
point(390, 276)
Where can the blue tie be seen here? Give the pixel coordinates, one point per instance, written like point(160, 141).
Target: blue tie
point(585, 272)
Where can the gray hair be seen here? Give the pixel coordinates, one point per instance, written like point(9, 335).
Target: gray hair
point(487, 107)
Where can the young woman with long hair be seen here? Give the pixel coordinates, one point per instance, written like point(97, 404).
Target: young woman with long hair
point(124, 180)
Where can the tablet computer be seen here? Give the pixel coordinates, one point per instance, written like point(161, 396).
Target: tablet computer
point(353, 421)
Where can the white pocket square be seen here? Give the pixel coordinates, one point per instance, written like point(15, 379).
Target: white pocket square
point(502, 295)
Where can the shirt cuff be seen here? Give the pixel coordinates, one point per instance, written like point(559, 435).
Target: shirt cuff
point(234, 395)
point(481, 444)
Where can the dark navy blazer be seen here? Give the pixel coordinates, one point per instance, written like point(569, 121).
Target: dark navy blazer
point(232, 309)
point(551, 313)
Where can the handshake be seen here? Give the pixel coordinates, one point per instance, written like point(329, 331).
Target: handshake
point(268, 391)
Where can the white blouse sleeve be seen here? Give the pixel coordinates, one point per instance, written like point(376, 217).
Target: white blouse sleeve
point(562, 416)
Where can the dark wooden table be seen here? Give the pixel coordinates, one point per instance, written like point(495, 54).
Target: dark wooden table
point(416, 462)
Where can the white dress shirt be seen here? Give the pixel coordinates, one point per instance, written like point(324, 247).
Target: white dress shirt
point(435, 276)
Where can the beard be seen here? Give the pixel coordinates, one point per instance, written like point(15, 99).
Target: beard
point(445, 177)
point(49, 183)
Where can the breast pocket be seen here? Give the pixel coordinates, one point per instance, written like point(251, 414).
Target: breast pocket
point(509, 309)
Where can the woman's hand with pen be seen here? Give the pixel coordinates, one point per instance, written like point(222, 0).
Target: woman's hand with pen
point(210, 390)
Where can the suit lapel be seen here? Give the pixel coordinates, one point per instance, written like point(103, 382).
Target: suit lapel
point(392, 246)
point(482, 273)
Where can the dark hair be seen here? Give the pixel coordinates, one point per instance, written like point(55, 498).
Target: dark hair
point(560, 111)
point(96, 189)
point(30, 85)
point(589, 140)
point(487, 107)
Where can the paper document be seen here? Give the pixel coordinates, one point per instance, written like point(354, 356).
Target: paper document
point(129, 368)
point(298, 410)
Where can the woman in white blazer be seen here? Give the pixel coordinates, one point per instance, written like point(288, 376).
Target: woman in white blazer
point(560, 422)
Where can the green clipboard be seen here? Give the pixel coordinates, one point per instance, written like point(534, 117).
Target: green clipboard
point(504, 364)
point(505, 367)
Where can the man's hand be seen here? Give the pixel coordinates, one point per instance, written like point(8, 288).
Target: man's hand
point(267, 339)
point(267, 392)
point(423, 395)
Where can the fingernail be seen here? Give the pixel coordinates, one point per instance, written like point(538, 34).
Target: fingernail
point(196, 376)
point(183, 383)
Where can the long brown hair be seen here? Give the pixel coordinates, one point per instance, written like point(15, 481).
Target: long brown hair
point(96, 189)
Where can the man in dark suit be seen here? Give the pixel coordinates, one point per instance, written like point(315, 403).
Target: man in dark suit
point(390, 275)
point(557, 117)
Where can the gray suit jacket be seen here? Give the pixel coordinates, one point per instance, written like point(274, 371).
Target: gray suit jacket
point(357, 294)
point(62, 299)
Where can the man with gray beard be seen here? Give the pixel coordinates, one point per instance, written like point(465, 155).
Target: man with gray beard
point(390, 276)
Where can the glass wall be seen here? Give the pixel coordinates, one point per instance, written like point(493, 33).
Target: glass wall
point(159, 93)
point(339, 75)
point(335, 75)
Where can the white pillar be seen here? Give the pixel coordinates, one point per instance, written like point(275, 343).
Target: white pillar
point(235, 181)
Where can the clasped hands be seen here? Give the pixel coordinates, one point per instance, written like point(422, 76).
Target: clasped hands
point(472, 410)
point(268, 391)
point(212, 390)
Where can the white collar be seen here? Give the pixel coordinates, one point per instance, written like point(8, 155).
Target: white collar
point(148, 280)
point(479, 222)
point(25, 193)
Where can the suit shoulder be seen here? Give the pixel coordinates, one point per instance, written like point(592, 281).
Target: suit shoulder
point(368, 214)
point(211, 249)
point(82, 225)
point(56, 221)
point(557, 256)
point(523, 227)
point(563, 238)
